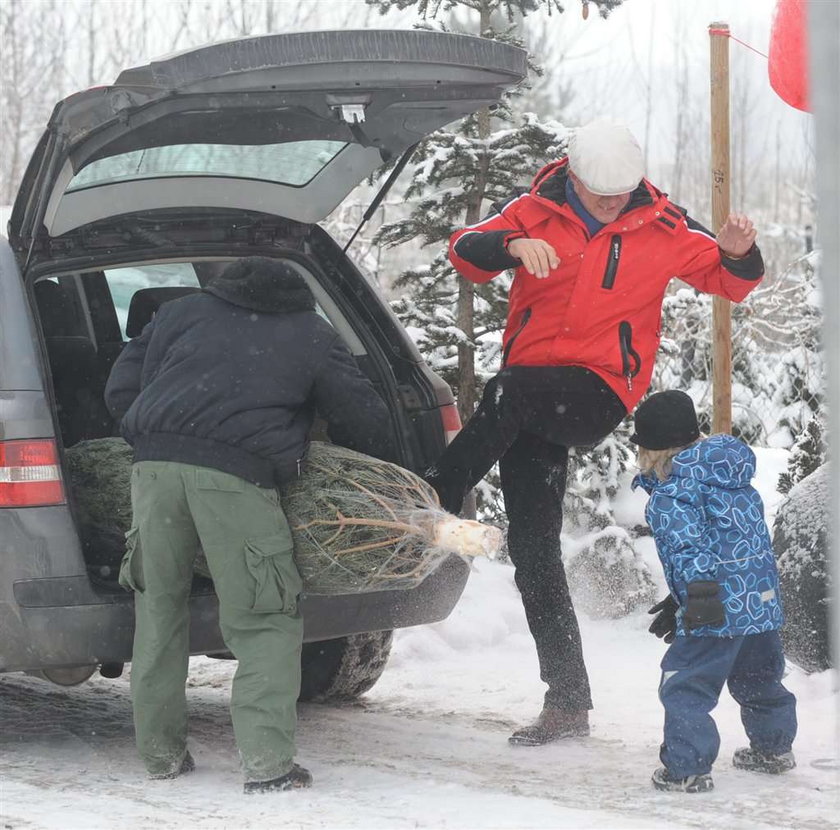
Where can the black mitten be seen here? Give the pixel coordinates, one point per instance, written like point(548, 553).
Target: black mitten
point(704, 606)
point(664, 624)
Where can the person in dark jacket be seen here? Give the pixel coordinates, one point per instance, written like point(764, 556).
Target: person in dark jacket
point(217, 397)
point(724, 611)
point(593, 246)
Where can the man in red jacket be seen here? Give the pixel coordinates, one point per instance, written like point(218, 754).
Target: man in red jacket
point(593, 246)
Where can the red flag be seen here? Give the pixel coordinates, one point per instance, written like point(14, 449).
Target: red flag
point(788, 58)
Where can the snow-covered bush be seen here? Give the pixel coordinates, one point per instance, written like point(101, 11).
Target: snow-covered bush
point(778, 372)
point(800, 542)
point(607, 575)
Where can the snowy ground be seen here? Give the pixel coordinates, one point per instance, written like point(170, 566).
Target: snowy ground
point(426, 748)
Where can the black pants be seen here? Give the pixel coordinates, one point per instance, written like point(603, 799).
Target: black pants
point(527, 419)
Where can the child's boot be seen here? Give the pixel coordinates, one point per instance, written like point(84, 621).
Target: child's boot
point(757, 761)
point(663, 780)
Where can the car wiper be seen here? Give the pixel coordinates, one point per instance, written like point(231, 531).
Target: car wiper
point(377, 200)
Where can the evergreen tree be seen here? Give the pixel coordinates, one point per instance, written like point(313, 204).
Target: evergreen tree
point(778, 374)
point(809, 452)
point(790, 323)
point(444, 183)
point(457, 175)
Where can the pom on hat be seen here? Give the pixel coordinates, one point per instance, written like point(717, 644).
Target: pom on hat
point(606, 157)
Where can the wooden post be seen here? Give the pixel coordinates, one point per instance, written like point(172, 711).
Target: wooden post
point(721, 311)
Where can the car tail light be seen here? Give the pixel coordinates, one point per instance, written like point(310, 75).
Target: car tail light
point(451, 421)
point(30, 474)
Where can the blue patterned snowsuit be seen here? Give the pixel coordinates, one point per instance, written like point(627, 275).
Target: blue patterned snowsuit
point(708, 524)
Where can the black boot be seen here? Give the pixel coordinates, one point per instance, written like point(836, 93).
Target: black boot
point(757, 761)
point(552, 725)
point(663, 780)
point(296, 778)
point(187, 765)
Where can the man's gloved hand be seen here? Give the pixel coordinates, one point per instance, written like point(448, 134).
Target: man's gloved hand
point(704, 606)
point(664, 624)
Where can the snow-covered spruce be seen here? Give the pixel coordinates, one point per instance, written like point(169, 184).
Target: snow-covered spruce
point(607, 576)
point(809, 451)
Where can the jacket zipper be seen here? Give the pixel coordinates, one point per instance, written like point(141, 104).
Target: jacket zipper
point(612, 262)
point(526, 316)
point(631, 363)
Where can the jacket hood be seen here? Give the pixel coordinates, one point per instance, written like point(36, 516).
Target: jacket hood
point(262, 284)
point(720, 461)
point(550, 183)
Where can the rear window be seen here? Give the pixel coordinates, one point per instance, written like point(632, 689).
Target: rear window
point(124, 282)
point(293, 163)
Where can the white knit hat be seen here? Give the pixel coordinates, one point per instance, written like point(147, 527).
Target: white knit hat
point(606, 157)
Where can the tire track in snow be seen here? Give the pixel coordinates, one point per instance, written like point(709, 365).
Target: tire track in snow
point(81, 739)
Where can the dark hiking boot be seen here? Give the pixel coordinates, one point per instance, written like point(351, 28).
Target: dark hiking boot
point(295, 779)
point(662, 780)
point(757, 761)
point(187, 765)
point(552, 725)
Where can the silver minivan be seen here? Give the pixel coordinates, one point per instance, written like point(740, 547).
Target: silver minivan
point(142, 191)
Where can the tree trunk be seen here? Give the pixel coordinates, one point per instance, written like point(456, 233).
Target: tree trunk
point(91, 33)
point(467, 391)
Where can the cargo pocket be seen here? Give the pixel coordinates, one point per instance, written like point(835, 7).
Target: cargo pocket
point(278, 583)
point(131, 565)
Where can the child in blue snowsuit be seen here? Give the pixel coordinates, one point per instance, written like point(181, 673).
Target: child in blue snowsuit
point(723, 614)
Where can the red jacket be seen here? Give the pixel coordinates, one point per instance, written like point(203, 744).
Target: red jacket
point(600, 308)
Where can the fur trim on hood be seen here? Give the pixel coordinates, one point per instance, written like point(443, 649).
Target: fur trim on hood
point(262, 284)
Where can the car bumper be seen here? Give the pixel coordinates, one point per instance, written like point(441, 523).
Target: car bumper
point(66, 621)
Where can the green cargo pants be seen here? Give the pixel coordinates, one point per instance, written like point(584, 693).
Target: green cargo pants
point(248, 545)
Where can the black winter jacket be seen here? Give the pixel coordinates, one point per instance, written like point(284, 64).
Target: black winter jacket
point(231, 378)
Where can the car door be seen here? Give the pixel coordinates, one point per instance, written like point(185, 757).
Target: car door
point(285, 124)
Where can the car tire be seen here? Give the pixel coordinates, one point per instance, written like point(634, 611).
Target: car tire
point(344, 668)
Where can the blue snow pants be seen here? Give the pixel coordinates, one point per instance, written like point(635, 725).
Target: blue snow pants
point(694, 670)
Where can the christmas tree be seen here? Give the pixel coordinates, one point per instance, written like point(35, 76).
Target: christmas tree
point(458, 175)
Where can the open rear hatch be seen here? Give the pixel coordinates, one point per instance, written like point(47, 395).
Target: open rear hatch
point(283, 124)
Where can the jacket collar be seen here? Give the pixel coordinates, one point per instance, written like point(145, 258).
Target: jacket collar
point(550, 184)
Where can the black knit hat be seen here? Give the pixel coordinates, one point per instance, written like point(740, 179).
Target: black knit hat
point(666, 420)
